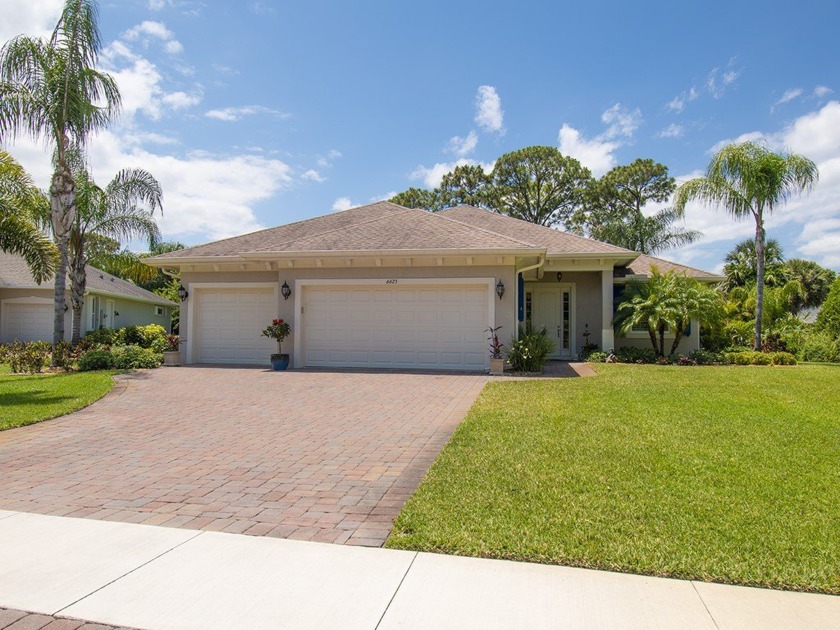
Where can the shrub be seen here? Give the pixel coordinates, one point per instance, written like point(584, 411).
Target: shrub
point(686, 361)
point(596, 356)
point(531, 350)
point(29, 357)
point(153, 336)
point(750, 357)
point(629, 354)
point(819, 346)
point(782, 358)
point(64, 355)
point(129, 336)
point(135, 357)
point(96, 360)
point(705, 357)
point(101, 337)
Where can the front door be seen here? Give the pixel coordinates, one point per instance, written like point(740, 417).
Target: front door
point(554, 311)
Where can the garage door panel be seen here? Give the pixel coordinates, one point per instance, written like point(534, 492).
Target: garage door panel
point(228, 325)
point(421, 326)
point(28, 322)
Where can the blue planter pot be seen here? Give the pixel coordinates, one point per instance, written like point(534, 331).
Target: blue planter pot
point(279, 361)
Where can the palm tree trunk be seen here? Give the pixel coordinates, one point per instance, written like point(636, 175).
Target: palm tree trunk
point(662, 340)
point(78, 282)
point(653, 340)
point(678, 334)
point(62, 216)
point(759, 281)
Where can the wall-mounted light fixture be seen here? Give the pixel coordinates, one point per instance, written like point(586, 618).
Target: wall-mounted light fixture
point(183, 294)
point(500, 289)
point(285, 290)
point(116, 314)
point(559, 276)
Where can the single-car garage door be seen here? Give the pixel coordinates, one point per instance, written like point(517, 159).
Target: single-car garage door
point(228, 324)
point(387, 326)
point(27, 322)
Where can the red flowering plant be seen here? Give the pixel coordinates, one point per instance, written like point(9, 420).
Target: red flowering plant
point(278, 330)
point(173, 343)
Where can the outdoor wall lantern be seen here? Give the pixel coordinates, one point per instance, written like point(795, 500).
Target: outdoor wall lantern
point(559, 276)
point(286, 290)
point(182, 293)
point(500, 289)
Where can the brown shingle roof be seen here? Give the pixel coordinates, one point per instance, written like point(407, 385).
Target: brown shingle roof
point(555, 241)
point(378, 226)
point(14, 274)
point(642, 266)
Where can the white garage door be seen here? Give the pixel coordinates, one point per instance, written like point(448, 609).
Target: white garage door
point(228, 324)
point(28, 322)
point(412, 326)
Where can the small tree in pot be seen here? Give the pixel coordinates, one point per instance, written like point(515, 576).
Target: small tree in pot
point(278, 330)
point(497, 363)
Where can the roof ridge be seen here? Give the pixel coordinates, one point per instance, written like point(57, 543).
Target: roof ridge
point(530, 224)
point(338, 229)
point(483, 229)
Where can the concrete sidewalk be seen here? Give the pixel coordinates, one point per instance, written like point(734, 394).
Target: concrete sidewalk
point(149, 577)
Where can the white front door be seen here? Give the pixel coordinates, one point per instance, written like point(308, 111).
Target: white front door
point(108, 317)
point(553, 309)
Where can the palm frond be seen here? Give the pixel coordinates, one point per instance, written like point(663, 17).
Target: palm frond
point(19, 236)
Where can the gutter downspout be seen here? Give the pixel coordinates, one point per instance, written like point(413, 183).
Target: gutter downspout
point(539, 264)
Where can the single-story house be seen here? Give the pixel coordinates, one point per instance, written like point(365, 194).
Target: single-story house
point(26, 308)
point(386, 286)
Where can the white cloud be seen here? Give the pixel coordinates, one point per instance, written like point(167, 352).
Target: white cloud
point(232, 114)
point(821, 91)
point(672, 131)
point(326, 161)
point(343, 203)
point(149, 29)
point(157, 5)
point(35, 18)
point(718, 82)
point(678, 103)
point(206, 196)
point(621, 122)
point(462, 147)
point(596, 153)
point(488, 110)
point(788, 96)
point(313, 176)
point(433, 175)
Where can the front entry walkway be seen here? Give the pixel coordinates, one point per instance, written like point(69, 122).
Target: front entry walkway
point(324, 456)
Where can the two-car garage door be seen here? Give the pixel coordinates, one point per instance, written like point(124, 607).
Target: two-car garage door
point(386, 326)
point(421, 325)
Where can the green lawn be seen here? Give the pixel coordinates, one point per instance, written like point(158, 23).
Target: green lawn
point(727, 474)
point(29, 399)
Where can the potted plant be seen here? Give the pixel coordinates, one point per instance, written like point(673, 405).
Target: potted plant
point(172, 354)
point(278, 330)
point(497, 363)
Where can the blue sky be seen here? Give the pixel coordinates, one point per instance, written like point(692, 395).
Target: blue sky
point(254, 114)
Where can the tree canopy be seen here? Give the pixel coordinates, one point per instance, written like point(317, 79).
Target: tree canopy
point(614, 211)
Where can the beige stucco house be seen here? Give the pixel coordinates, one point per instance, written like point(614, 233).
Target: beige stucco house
point(26, 308)
point(385, 286)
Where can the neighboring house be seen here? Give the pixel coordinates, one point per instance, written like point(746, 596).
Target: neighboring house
point(385, 286)
point(26, 308)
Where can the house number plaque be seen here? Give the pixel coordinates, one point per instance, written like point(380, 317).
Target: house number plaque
point(391, 281)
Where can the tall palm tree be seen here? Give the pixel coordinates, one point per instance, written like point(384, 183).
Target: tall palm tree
point(124, 209)
point(740, 265)
point(750, 180)
point(20, 204)
point(51, 89)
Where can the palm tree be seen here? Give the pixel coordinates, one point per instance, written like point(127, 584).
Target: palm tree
point(124, 209)
point(749, 180)
point(740, 265)
point(667, 303)
point(20, 203)
point(51, 89)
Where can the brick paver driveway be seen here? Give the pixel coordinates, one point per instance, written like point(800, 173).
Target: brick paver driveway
point(327, 456)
